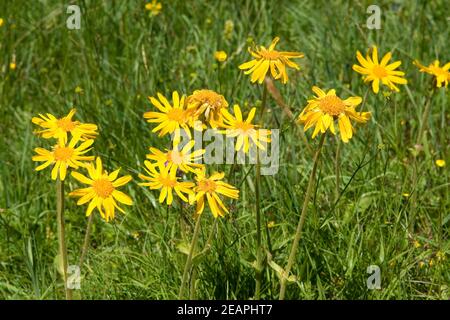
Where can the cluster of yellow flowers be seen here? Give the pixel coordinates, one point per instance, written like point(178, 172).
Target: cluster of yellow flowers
point(326, 107)
point(200, 110)
point(68, 154)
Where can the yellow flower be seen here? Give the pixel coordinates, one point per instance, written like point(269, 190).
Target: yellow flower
point(266, 59)
point(184, 160)
point(207, 105)
point(406, 195)
point(211, 188)
point(1, 22)
point(244, 130)
point(12, 66)
point(63, 156)
point(325, 108)
point(79, 90)
point(102, 191)
point(379, 71)
point(417, 244)
point(270, 224)
point(220, 56)
point(154, 7)
point(161, 177)
point(171, 118)
point(59, 128)
point(441, 73)
point(440, 163)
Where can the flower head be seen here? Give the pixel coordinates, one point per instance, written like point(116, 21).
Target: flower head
point(102, 192)
point(440, 163)
point(442, 74)
point(60, 128)
point(154, 7)
point(210, 188)
point(183, 159)
point(161, 177)
point(170, 118)
point(63, 156)
point(325, 108)
point(244, 130)
point(220, 56)
point(266, 59)
point(207, 105)
point(377, 72)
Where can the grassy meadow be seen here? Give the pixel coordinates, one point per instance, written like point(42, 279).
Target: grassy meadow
point(391, 207)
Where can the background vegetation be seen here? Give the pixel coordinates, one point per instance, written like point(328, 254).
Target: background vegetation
point(121, 55)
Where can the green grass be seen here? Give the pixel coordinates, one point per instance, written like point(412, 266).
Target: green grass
point(121, 55)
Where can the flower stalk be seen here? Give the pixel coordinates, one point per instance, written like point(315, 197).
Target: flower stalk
point(301, 222)
point(259, 249)
point(61, 233)
point(188, 265)
point(86, 241)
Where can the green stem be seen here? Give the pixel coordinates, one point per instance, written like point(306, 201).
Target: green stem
point(206, 248)
point(86, 240)
point(259, 249)
point(61, 234)
point(415, 178)
point(188, 265)
point(425, 115)
point(301, 221)
point(338, 168)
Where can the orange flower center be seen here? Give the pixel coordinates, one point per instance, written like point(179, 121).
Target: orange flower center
point(207, 185)
point(270, 55)
point(176, 115)
point(63, 153)
point(438, 71)
point(66, 124)
point(379, 71)
point(243, 126)
point(207, 101)
point(332, 105)
point(175, 156)
point(167, 182)
point(103, 188)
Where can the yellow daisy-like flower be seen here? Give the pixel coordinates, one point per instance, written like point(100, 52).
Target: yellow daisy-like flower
point(154, 7)
point(440, 163)
point(161, 177)
point(60, 128)
point(102, 191)
point(185, 160)
point(266, 59)
point(379, 71)
point(220, 56)
point(211, 188)
point(244, 130)
point(442, 74)
point(325, 108)
point(171, 118)
point(207, 105)
point(64, 156)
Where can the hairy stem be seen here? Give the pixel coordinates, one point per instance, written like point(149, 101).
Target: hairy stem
point(61, 234)
point(301, 221)
point(188, 265)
